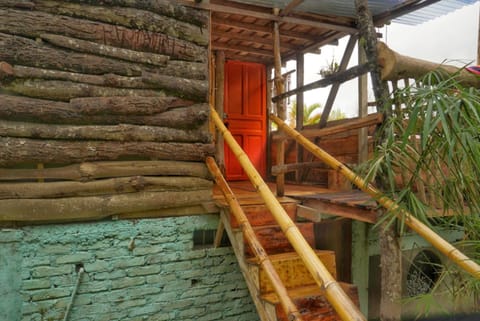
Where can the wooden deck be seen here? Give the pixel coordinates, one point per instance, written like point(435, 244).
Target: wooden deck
point(353, 204)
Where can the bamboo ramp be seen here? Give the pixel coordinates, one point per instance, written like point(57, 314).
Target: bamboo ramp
point(280, 284)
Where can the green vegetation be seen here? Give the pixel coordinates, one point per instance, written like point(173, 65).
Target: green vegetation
point(312, 114)
point(432, 143)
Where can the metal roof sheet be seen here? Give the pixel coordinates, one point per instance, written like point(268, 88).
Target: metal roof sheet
point(346, 8)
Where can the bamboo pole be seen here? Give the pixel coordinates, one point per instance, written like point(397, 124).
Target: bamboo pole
point(424, 231)
point(333, 291)
point(288, 306)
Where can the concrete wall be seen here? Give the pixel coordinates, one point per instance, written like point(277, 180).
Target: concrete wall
point(134, 270)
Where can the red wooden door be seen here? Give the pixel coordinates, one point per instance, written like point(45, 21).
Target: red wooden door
point(245, 111)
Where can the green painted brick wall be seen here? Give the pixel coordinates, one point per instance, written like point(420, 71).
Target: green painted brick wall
point(135, 270)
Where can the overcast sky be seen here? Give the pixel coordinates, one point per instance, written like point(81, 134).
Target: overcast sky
point(452, 38)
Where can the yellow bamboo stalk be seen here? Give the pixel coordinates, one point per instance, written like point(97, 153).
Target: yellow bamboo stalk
point(424, 231)
point(344, 306)
point(252, 240)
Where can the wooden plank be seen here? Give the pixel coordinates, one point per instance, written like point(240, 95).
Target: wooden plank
point(274, 240)
point(237, 246)
point(356, 213)
point(316, 306)
point(292, 270)
point(259, 215)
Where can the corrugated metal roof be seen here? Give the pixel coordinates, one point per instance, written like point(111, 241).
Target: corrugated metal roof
point(433, 11)
point(346, 8)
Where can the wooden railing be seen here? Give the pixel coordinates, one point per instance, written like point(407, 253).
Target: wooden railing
point(334, 293)
point(347, 127)
point(287, 304)
point(424, 231)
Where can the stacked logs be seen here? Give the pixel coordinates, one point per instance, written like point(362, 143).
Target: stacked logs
point(85, 82)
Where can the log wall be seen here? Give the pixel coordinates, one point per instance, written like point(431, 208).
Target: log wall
point(116, 85)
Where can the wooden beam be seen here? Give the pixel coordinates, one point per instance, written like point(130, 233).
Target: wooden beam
point(249, 38)
point(336, 86)
point(290, 7)
point(327, 81)
point(279, 169)
point(216, 21)
point(231, 9)
point(356, 123)
point(250, 50)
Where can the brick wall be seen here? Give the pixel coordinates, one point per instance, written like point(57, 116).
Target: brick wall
point(134, 270)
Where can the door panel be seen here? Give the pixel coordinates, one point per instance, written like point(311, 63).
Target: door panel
point(245, 110)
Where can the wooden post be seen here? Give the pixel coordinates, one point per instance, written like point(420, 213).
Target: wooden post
point(368, 37)
point(360, 258)
point(281, 110)
point(391, 277)
point(299, 113)
point(360, 262)
point(219, 102)
point(362, 108)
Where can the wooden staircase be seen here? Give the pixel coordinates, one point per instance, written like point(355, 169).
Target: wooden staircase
point(302, 288)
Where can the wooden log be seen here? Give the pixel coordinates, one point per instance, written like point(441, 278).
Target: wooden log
point(88, 171)
point(368, 36)
point(19, 4)
point(35, 23)
point(102, 187)
point(24, 151)
point(181, 87)
point(96, 207)
point(127, 105)
point(46, 111)
point(395, 66)
point(122, 132)
point(110, 80)
point(104, 50)
point(169, 8)
point(65, 90)
point(128, 17)
point(23, 51)
point(184, 69)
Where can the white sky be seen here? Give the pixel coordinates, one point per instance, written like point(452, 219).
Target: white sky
point(452, 38)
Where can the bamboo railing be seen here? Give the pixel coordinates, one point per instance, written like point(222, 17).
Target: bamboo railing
point(424, 231)
point(288, 306)
point(342, 304)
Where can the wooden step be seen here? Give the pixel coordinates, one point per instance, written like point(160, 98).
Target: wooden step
point(259, 215)
point(274, 241)
point(290, 269)
point(311, 303)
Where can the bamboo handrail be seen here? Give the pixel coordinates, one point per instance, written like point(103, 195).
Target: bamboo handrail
point(288, 306)
point(424, 231)
point(342, 304)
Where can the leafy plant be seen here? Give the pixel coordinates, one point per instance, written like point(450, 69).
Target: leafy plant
point(312, 114)
point(429, 159)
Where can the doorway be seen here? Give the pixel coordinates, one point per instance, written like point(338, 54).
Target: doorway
point(245, 115)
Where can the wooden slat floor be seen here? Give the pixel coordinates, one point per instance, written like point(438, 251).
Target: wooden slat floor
point(353, 204)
